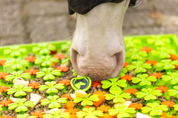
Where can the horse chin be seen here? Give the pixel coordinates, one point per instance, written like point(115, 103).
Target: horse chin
point(97, 73)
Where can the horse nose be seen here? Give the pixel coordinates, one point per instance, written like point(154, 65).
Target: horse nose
point(98, 66)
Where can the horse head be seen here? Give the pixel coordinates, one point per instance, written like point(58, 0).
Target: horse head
point(98, 48)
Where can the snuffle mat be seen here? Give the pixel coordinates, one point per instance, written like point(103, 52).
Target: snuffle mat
point(36, 82)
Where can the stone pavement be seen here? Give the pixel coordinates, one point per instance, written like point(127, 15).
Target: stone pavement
point(29, 21)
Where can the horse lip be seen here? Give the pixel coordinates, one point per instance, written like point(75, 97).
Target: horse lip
point(96, 73)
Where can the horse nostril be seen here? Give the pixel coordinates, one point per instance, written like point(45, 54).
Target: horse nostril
point(120, 60)
point(74, 59)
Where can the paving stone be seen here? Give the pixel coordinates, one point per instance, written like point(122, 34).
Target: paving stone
point(36, 8)
point(12, 11)
point(142, 30)
point(170, 30)
point(48, 28)
point(11, 41)
point(150, 30)
point(6, 2)
point(170, 20)
point(169, 7)
point(136, 19)
point(10, 27)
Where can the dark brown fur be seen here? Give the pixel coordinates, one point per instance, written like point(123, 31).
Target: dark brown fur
point(84, 6)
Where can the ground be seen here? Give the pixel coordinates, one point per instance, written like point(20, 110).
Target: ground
point(30, 21)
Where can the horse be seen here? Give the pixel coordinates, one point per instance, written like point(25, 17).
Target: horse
point(98, 48)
